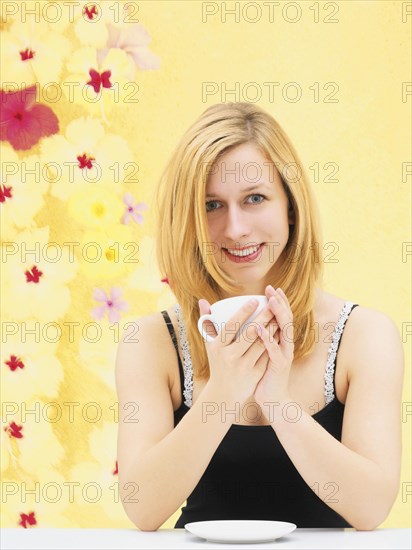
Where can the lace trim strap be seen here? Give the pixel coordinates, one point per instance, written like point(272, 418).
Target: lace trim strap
point(187, 360)
point(330, 365)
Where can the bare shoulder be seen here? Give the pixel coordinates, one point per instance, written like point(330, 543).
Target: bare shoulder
point(377, 343)
point(146, 335)
point(370, 332)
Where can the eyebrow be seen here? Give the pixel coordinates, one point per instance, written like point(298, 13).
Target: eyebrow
point(253, 188)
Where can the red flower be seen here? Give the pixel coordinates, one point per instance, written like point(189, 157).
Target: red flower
point(14, 362)
point(90, 13)
point(22, 122)
point(33, 275)
point(5, 193)
point(100, 80)
point(14, 430)
point(27, 519)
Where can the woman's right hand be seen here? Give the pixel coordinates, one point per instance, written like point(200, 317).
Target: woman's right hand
point(237, 364)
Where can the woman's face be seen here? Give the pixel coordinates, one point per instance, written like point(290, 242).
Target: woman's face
point(240, 217)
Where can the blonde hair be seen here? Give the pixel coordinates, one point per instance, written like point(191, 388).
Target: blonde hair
point(191, 271)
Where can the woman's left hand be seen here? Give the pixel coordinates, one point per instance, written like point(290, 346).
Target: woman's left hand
point(273, 386)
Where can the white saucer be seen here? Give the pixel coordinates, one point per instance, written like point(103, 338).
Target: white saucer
point(240, 530)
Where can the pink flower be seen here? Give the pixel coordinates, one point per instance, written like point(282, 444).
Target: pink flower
point(133, 39)
point(132, 209)
point(22, 123)
point(111, 305)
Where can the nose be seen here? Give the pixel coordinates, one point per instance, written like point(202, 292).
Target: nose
point(236, 225)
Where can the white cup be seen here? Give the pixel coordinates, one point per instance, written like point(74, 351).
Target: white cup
point(223, 310)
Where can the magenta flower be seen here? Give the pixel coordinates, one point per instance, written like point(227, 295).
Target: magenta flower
point(111, 305)
point(22, 122)
point(133, 39)
point(132, 209)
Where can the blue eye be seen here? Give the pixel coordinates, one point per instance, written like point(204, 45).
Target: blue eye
point(254, 202)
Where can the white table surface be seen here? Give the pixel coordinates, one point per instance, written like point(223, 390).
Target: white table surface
point(119, 539)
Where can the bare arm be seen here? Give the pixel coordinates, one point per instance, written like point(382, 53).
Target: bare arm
point(172, 468)
point(159, 466)
point(360, 474)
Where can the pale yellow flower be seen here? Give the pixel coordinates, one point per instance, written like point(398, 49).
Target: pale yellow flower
point(26, 431)
point(90, 27)
point(47, 504)
point(89, 19)
point(60, 14)
point(31, 52)
point(22, 189)
point(95, 206)
point(34, 284)
point(28, 367)
point(108, 254)
point(86, 156)
point(100, 87)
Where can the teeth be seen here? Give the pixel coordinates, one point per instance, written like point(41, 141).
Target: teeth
point(245, 252)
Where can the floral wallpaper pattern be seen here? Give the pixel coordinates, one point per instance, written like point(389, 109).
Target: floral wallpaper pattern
point(73, 250)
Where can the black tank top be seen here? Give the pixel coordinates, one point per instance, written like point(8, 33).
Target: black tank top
point(250, 476)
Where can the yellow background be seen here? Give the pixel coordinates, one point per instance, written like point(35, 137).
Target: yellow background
point(366, 213)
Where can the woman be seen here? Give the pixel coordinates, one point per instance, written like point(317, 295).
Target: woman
point(278, 426)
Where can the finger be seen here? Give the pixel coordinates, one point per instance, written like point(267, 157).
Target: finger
point(262, 363)
point(274, 332)
point(269, 290)
point(284, 298)
point(285, 320)
point(209, 327)
point(229, 330)
point(256, 348)
point(276, 305)
point(204, 306)
point(265, 316)
point(279, 298)
point(273, 323)
point(280, 294)
point(270, 342)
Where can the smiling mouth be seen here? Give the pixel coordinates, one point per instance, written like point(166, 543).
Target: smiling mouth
point(240, 258)
point(253, 248)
